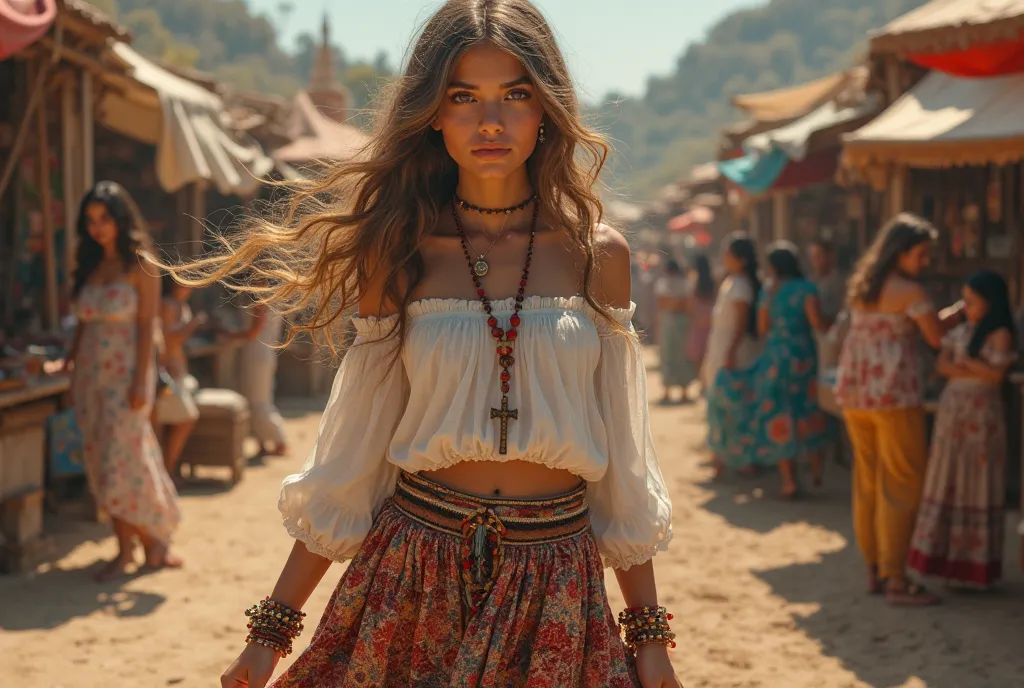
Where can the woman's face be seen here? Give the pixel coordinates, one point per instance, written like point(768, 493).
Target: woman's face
point(732, 264)
point(916, 260)
point(100, 225)
point(975, 307)
point(491, 114)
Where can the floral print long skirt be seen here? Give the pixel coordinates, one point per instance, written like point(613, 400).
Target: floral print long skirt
point(123, 461)
point(454, 590)
point(960, 523)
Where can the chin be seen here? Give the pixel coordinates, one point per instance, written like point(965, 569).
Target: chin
point(500, 170)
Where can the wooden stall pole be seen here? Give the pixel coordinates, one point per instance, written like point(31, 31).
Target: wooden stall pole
point(197, 227)
point(780, 216)
point(69, 150)
point(897, 196)
point(46, 201)
point(88, 138)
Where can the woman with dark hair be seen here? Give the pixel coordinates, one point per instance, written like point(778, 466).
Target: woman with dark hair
point(732, 342)
point(701, 305)
point(673, 292)
point(486, 450)
point(959, 533)
point(768, 415)
point(117, 301)
point(880, 385)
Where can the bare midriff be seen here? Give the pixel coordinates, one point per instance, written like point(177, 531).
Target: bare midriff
point(510, 479)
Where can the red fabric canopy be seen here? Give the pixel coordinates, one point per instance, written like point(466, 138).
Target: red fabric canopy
point(692, 220)
point(22, 22)
point(992, 59)
point(817, 168)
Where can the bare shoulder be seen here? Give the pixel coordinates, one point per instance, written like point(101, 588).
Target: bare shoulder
point(611, 282)
point(1001, 339)
point(901, 293)
point(373, 300)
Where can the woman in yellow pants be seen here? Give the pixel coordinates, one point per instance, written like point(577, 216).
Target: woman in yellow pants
point(880, 385)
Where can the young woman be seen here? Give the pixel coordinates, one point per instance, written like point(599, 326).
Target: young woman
point(768, 414)
point(880, 385)
point(673, 292)
point(959, 533)
point(114, 381)
point(732, 343)
point(701, 304)
point(486, 445)
point(176, 410)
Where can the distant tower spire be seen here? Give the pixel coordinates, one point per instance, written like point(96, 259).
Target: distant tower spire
point(321, 78)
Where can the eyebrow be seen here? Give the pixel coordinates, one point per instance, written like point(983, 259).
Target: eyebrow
point(521, 81)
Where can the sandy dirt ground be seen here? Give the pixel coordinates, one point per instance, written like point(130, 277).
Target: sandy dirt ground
point(765, 593)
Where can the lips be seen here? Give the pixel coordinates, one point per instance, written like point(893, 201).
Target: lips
point(491, 152)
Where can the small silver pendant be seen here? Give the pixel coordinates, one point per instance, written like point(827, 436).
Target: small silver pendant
point(480, 267)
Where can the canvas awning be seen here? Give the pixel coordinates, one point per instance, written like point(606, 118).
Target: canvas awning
point(188, 126)
point(795, 101)
point(943, 122)
point(317, 137)
point(947, 25)
point(793, 139)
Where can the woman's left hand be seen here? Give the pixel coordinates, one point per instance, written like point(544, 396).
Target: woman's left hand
point(137, 393)
point(654, 668)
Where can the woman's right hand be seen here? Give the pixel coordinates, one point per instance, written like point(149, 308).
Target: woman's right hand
point(252, 669)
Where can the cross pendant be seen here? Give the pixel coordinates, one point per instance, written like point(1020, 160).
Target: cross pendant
point(504, 413)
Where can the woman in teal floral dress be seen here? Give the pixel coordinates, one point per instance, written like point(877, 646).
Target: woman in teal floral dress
point(768, 414)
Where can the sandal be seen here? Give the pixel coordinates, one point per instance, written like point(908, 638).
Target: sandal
point(876, 585)
point(912, 595)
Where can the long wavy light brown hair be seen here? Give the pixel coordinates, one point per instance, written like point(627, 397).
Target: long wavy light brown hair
point(367, 219)
point(901, 234)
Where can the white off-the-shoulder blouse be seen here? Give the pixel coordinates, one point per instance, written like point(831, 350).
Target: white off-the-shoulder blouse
point(580, 388)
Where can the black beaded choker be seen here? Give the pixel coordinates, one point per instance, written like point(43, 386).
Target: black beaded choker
point(466, 205)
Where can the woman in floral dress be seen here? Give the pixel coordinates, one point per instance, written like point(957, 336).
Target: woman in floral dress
point(114, 380)
point(880, 386)
point(768, 415)
point(959, 533)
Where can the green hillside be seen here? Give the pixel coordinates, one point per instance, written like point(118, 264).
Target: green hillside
point(673, 126)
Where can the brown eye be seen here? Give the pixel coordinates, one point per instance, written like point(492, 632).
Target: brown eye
point(519, 94)
point(461, 97)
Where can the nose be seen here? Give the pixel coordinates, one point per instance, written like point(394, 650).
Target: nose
point(491, 123)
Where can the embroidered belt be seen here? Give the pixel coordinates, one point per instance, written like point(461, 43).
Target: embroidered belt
point(486, 525)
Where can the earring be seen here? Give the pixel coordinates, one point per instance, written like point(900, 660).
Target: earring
point(540, 134)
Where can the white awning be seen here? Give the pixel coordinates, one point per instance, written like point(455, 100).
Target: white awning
point(187, 123)
point(945, 121)
point(793, 138)
point(942, 25)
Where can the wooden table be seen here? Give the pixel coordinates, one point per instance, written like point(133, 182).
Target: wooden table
point(23, 416)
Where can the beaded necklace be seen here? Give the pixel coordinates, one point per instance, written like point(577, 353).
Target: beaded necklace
point(505, 340)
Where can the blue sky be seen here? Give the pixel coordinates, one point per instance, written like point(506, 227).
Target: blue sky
point(610, 44)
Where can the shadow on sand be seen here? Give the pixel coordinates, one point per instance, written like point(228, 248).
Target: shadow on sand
point(972, 640)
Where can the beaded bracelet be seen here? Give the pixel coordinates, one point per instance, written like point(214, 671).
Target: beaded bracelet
point(274, 625)
point(645, 626)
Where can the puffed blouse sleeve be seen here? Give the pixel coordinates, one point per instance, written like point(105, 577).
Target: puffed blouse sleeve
point(330, 505)
point(630, 510)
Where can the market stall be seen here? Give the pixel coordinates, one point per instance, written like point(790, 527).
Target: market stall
point(46, 156)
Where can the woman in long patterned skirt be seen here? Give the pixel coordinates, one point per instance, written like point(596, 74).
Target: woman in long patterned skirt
point(768, 414)
point(673, 292)
point(486, 450)
point(960, 524)
point(117, 301)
